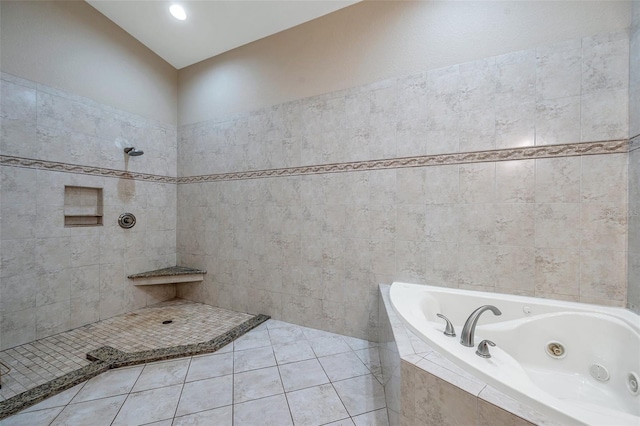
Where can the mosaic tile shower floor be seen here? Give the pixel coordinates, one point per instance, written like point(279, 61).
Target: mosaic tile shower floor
point(276, 374)
point(38, 362)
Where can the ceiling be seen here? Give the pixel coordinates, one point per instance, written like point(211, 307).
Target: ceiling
point(212, 27)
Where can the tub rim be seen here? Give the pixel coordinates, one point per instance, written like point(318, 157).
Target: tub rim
point(550, 411)
point(413, 350)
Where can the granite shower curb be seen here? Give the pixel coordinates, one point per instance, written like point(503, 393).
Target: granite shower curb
point(107, 358)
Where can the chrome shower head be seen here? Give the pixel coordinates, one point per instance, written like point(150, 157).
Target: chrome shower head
point(132, 151)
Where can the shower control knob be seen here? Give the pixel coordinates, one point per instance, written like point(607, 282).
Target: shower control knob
point(126, 220)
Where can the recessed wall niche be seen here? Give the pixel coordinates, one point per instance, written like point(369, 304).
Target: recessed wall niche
point(82, 206)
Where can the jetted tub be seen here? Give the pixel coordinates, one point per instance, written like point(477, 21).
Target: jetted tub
point(576, 363)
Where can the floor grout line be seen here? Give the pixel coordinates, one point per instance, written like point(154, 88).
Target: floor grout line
point(40, 359)
point(272, 336)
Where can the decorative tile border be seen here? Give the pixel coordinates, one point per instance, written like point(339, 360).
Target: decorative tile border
point(525, 153)
point(106, 358)
point(53, 166)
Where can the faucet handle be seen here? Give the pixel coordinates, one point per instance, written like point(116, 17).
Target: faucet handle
point(483, 348)
point(449, 330)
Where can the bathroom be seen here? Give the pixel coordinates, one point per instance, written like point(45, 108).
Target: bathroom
point(399, 81)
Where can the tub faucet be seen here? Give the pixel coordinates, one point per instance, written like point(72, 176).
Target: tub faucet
point(469, 329)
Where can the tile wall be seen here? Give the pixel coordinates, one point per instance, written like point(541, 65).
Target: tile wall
point(634, 71)
point(634, 162)
point(310, 248)
point(634, 228)
point(54, 278)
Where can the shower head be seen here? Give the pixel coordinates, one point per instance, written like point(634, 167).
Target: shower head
point(132, 151)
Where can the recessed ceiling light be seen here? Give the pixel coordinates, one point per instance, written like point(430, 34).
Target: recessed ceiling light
point(178, 12)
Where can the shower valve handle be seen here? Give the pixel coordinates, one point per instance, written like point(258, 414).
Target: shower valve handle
point(449, 331)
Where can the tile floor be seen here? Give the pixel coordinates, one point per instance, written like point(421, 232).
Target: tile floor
point(38, 362)
point(277, 374)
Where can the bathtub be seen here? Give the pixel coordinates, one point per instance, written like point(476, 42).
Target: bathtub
point(573, 362)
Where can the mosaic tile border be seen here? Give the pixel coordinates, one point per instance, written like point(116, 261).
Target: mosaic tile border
point(524, 153)
point(106, 358)
point(6, 160)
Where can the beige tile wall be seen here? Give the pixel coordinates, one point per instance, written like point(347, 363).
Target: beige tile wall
point(41, 122)
point(634, 71)
point(54, 278)
point(634, 163)
point(567, 92)
point(634, 229)
point(311, 249)
point(312, 256)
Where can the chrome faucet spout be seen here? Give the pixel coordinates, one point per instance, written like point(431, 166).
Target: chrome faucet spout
point(469, 329)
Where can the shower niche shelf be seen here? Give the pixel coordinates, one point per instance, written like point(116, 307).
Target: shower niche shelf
point(82, 206)
point(171, 275)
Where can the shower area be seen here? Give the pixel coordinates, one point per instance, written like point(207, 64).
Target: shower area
point(88, 199)
point(85, 223)
point(65, 182)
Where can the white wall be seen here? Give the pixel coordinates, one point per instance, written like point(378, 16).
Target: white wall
point(71, 46)
point(372, 41)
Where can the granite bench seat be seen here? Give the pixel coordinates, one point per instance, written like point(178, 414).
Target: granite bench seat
point(170, 275)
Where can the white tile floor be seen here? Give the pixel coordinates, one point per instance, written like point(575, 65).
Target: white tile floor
point(277, 374)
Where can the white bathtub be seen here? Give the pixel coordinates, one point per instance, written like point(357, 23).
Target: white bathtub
point(559, 387)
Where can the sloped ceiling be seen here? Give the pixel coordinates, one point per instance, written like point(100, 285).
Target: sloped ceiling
point(211, 27)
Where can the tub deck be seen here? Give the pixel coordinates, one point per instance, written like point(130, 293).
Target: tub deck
point(605, 337)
